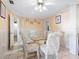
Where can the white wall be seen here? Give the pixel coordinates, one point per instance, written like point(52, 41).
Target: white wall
point(3, 42)
point(68, 26)
point(78, 18)
point(3, 37)
point(73, 30)
point(78, 27)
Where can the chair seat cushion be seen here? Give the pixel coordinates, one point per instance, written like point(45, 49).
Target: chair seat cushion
point(43, 48)
point(32, 47)
point(46, 51)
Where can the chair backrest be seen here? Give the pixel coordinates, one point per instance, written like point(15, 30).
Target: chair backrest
point(52, 42)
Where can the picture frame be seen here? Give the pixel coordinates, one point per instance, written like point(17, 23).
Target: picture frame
point(2, 10)
point(58, 19)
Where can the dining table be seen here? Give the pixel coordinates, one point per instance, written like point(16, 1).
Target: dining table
point(39, 42)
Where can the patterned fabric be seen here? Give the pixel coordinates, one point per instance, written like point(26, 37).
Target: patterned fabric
point(52, 44)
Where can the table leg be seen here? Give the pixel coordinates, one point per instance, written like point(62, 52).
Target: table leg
point(38, 53)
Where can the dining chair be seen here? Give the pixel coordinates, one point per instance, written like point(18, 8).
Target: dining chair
point(29, 46)
point(52, 45)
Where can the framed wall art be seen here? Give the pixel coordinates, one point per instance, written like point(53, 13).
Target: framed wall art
point(2, 10)
point(58, 19)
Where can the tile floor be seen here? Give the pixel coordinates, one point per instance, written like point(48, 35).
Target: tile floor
point(63, 54)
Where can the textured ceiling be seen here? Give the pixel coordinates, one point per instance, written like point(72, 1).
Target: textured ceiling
point(77, 1)
point(25, 7)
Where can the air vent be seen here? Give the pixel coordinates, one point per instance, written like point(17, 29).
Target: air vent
point(11, 1)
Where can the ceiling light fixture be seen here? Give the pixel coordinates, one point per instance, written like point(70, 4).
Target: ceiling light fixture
point(41, 5)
